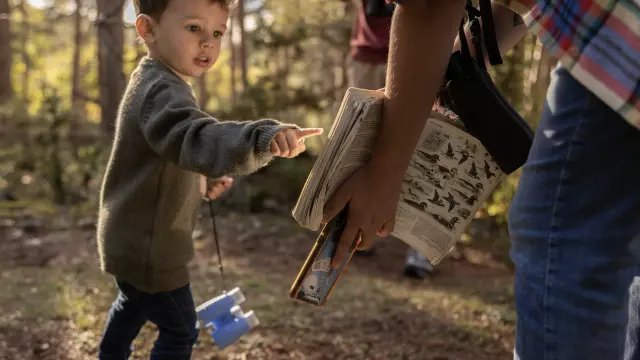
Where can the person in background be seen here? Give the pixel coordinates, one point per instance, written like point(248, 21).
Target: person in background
point(369, 44)
point(366, 69)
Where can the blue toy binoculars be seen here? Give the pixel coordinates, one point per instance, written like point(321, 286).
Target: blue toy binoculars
point(224, 315)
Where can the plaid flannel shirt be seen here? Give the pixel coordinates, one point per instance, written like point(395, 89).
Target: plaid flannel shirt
point(598, 41)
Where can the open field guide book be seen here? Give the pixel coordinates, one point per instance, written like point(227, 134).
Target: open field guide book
point(450, 174)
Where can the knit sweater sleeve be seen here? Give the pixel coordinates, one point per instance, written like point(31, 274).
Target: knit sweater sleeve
point(177, 130)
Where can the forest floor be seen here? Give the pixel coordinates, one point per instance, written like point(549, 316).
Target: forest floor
point(54, 300)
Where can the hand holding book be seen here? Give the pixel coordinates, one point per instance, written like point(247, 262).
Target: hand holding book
point(365, 190)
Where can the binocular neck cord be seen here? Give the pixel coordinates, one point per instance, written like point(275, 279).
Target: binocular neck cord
point(215, 239)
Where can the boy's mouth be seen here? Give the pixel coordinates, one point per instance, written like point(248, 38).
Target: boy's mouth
point(202, 61)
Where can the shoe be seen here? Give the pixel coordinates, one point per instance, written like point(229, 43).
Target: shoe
point(368, 252)
point(416, 265)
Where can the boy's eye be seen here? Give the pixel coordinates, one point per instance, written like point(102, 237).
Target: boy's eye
point(217, 34)
point(193, 28)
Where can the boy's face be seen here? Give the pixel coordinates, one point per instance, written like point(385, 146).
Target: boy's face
point(188, 36)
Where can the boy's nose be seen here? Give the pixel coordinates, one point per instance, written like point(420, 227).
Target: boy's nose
point(206, 42)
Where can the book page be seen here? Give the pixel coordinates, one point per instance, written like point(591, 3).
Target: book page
point(449, 176)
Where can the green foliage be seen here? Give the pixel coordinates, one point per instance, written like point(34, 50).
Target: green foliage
point(44, 160)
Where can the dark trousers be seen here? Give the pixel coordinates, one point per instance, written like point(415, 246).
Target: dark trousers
point(173, 312)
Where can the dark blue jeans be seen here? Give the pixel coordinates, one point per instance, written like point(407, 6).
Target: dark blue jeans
point(572, 222)
point(172, 312)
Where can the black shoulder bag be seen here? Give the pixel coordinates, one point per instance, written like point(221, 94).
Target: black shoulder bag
point(379, 8)
point(471, 93)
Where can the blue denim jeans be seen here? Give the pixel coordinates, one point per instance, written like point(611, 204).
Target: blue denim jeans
point(172, 312)
point(572, 222)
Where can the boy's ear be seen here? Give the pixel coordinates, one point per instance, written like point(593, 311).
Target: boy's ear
point(145, 26)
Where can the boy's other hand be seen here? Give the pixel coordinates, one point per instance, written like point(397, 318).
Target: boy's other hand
point(290, 143)
point(218, 186)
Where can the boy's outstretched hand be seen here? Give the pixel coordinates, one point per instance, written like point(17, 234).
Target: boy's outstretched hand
point(290, 143)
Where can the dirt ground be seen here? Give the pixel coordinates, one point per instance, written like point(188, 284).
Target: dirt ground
point(54, 300)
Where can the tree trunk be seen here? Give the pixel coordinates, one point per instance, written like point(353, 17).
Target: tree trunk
point(76, 101)
point(232, 60)
point(328, 80)
point(243, 45)
point(517, 87)
point(511, 81)
point(6, 89)
point(110, 51)
point(540, 78)
point(344, 70)
point(26, 60)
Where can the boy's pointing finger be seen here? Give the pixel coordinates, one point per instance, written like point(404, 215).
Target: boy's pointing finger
point(305, 133)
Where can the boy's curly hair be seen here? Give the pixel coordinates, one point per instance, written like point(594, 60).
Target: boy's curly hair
point(155, 8)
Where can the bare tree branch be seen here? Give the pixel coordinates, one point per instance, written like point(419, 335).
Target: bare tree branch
point(84, 97)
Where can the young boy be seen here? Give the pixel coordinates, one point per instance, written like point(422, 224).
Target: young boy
point(151, 191)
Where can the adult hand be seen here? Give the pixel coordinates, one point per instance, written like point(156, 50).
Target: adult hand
point(373, 198)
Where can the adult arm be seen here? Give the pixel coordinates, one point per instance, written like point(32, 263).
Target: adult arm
point(422, 36)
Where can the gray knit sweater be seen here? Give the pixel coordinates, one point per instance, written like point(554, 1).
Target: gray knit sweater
point(150, 195)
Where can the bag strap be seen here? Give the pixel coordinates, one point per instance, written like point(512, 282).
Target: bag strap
point(479, 33)
point(476, 39)
point(464, 46)
point(489, 32)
